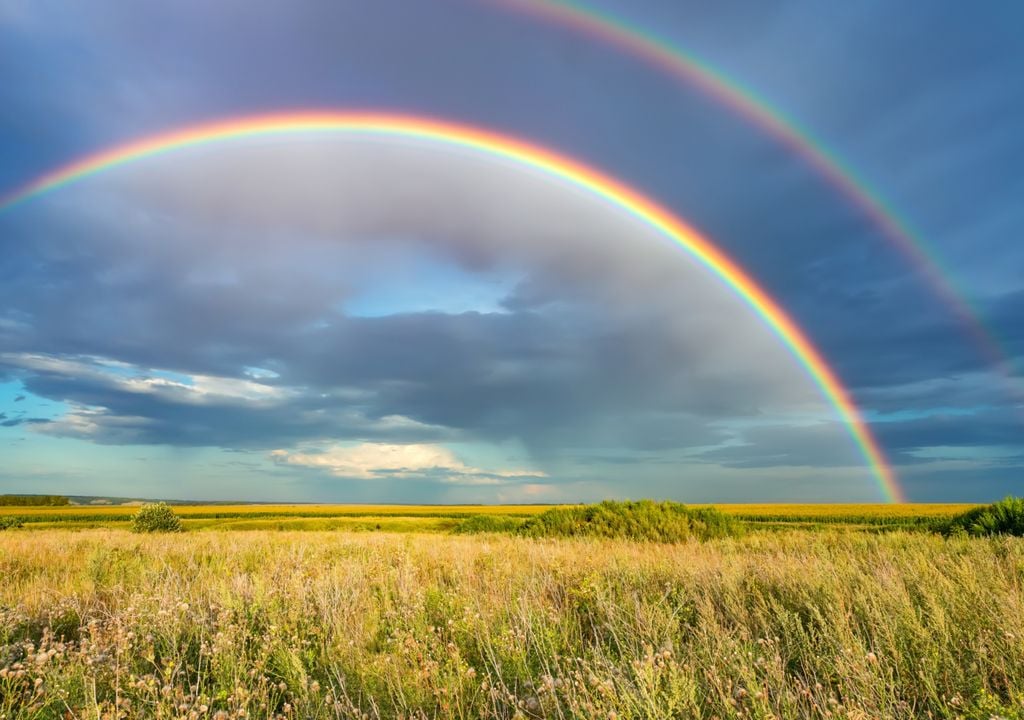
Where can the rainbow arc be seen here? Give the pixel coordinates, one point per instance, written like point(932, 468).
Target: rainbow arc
point(557, 166)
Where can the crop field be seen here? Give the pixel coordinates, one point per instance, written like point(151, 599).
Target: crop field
point(426, 518)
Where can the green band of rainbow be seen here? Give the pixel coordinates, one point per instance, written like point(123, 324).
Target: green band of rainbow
point(697, 73)
point(537, 158)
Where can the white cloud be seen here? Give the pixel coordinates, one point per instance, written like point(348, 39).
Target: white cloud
point(369, 461)
point(124, 377)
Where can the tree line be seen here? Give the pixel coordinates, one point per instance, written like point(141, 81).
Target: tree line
point(32, 500)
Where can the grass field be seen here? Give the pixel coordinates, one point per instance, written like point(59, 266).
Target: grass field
point(380, 612)
point(105, 623)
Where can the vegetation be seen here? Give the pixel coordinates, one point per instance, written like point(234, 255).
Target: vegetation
point(489, 524)
point(9, 522)
point(823, 624)
point(643, 520)
point(32, 500)
point(445, 517)
point(1005, 517)
point(156, 517)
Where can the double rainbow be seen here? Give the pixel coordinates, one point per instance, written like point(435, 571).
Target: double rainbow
point(531, 156)
point(676, 62)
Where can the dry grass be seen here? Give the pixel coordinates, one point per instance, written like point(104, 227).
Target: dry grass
point(103, 623)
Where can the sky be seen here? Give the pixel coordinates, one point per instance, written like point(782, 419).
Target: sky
point(326, 317)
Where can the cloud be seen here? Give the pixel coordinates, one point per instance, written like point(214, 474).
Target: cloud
point(15, 422)
point(169, 282)
point(370, 461)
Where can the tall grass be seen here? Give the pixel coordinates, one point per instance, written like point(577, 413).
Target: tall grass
point(105, 624)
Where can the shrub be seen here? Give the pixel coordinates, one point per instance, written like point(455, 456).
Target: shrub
point(1005, 517)
point(489, 523)
point(9, 523)
point(156, 517)
point(643, 520)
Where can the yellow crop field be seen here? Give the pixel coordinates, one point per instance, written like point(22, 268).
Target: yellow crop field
point(819, 513)
point(280, 510)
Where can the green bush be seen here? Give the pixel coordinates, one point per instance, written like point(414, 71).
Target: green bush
point(643, 520)
point(1005, 517)
point(489, 523)
point(9, 523)
point(156, 517)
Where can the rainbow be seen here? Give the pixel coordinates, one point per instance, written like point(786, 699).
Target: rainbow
point(531, 156)
point(699, 74)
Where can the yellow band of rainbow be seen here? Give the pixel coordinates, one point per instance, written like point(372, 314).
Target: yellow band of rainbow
point(528, 155)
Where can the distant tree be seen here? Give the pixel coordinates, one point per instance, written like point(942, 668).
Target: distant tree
point(156, 517)
point(30, 500)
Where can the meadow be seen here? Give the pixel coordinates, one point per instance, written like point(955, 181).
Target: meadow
point(827, 620)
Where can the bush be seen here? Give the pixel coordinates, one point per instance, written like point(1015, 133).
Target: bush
point(1005, 517)
point(156, 517)
point(10, 523)
point(644, 520)
point(489, 523)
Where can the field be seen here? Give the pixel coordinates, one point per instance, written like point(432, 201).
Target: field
point(427, 518)
point(836, 621)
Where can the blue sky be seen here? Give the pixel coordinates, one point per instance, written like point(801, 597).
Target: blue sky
point(323, 318)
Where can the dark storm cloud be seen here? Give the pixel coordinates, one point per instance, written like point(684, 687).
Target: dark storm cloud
point(991, 428)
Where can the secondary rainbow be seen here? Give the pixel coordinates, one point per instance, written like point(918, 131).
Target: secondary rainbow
point(528, 155)
point(697, 73)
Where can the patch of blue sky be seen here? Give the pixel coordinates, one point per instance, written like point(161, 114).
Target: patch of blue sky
point(16, 401)
point(971, 453)
point(423, 283)
point(918, 414)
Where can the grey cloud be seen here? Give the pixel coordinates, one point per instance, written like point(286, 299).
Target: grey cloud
point(172, 267)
